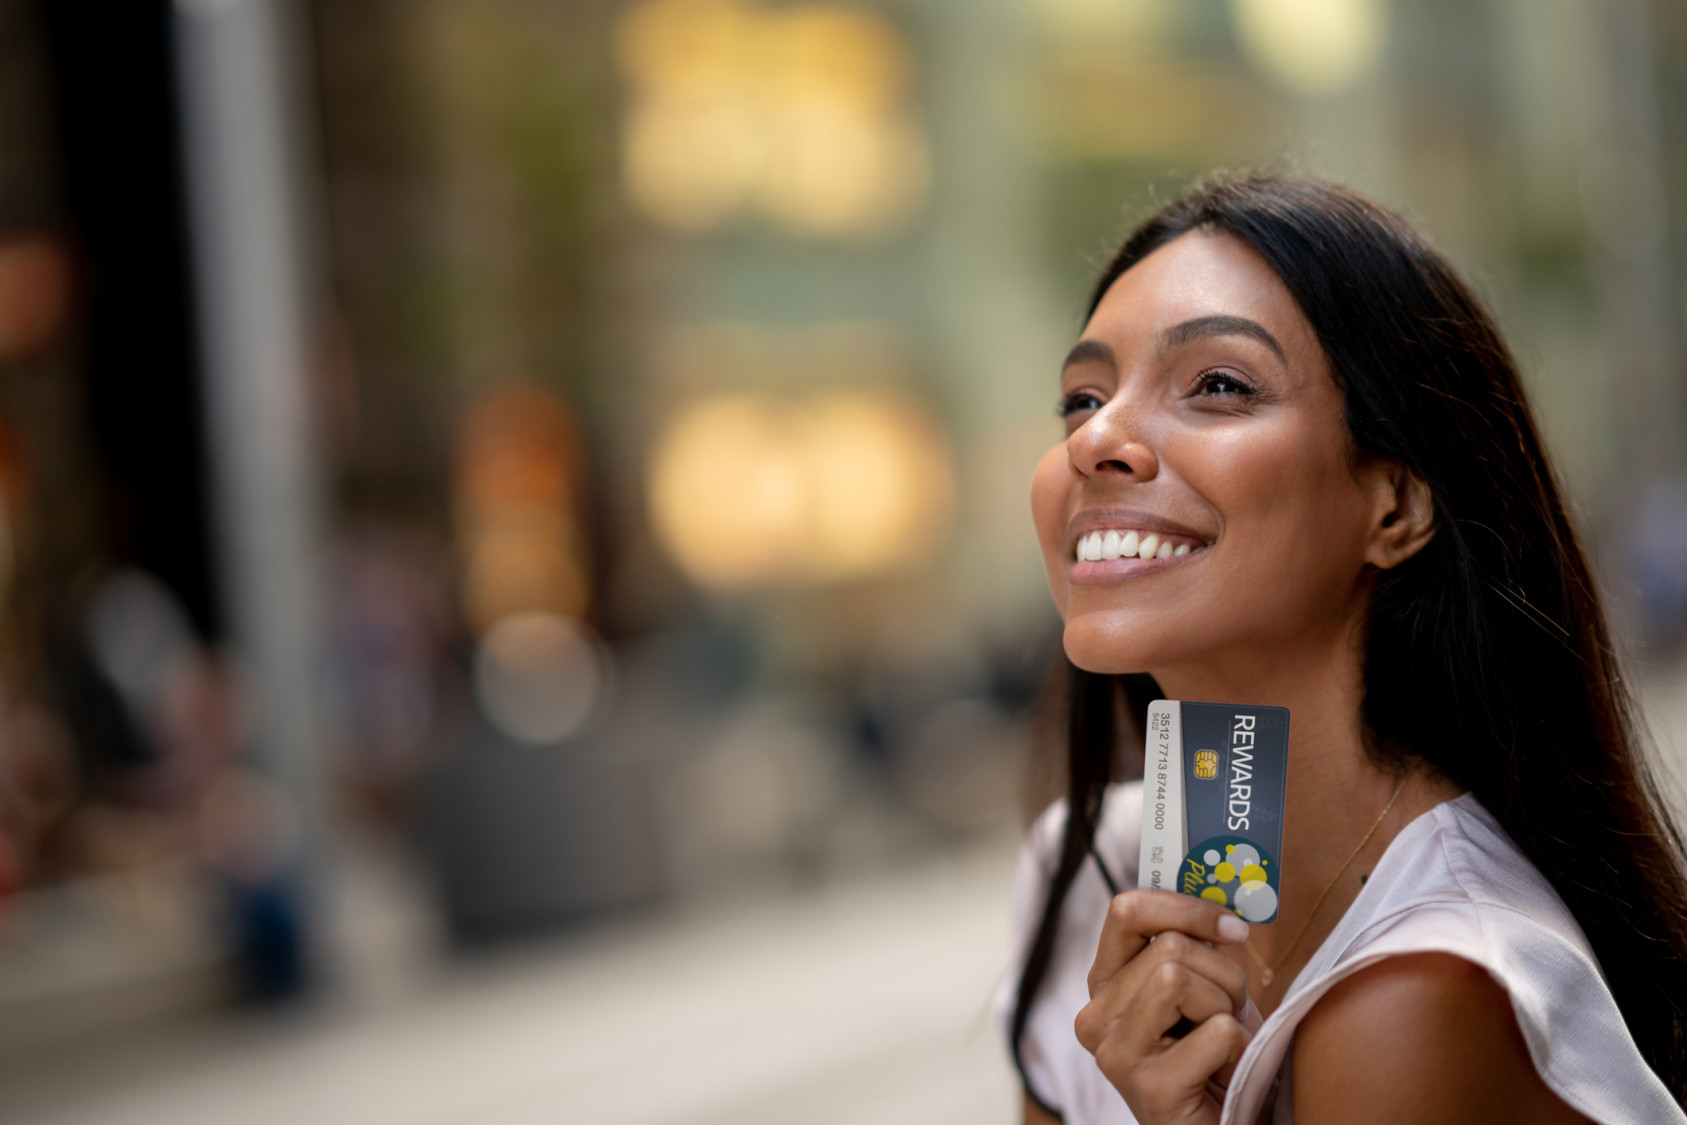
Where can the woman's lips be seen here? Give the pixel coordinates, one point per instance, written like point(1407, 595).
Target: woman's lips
point(1116, 543)
point(1104, 572)
point(1117, 549)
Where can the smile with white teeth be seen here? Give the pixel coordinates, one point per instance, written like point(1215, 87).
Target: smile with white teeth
point(1112, 544)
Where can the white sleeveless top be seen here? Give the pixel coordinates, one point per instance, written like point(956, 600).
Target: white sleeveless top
point(1450, 882)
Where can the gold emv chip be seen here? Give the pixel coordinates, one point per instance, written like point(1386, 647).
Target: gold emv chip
point(1206, 764)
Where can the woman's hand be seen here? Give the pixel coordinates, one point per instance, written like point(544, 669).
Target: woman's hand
point(1156, 965)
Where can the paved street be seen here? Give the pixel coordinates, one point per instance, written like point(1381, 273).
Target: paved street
point(866, 1003)
point(863, 1003)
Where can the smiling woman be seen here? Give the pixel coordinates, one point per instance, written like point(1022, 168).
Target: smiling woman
point(1299, 470)
point(1190, 425)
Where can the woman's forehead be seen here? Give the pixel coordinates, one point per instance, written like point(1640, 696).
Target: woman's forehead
point(1196, 275)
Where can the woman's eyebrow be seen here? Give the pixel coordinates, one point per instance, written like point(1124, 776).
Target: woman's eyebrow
point(1090, 351)
point(1204, 327)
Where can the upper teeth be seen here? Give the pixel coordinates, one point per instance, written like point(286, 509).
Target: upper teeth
point(1113, 544)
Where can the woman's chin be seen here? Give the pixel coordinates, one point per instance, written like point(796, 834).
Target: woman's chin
point(1104, 648)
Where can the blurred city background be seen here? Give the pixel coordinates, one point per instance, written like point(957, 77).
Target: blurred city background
point(516, 595)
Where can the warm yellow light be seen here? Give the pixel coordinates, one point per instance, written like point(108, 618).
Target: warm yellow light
point(834, 172)
point(878, 485)
point(686, 48)
point(799, 112)
point(726, 492)
point(836, 53)
point(691, 165)
point(1314, 46)
point(745, 491)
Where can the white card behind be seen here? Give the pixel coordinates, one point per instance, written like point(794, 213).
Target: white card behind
point(1163, 827)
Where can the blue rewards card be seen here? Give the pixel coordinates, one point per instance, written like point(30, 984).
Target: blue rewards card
point(1215, 776)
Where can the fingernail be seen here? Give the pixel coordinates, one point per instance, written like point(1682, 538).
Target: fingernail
point(1232, 928)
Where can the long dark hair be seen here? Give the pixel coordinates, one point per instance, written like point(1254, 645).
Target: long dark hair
point(1487, 653)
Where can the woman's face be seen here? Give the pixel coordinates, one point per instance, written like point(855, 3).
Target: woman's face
point(1204, 433)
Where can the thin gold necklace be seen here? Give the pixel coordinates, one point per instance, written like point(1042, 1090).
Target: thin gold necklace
point(1268, 973)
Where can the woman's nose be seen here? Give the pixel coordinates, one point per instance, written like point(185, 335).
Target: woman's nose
point(1111, 443)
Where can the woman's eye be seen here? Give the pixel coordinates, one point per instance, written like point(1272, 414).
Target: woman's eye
point(1222, 383)
point(1077, 403)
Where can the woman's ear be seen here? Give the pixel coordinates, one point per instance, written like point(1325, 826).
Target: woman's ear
point(1403, 515)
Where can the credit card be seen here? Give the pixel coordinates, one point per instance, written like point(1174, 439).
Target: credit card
point(1215, 776)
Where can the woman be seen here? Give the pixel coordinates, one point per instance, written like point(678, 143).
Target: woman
point(1308, 431)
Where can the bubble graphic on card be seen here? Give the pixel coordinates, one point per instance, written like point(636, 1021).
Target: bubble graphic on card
point(1215, 776)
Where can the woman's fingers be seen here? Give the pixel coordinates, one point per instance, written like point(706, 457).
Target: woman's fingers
point(1200, 958)
point(1213, 1049)
point(1135, 917)
point(1174, 1079)
point(1186, 1081)
point(1203, 960)
point(1171, 993)
point(1157, 965)
point(1157, 998)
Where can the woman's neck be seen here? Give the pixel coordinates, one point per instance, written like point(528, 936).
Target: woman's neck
point(1336, 791)
point(1333, 785)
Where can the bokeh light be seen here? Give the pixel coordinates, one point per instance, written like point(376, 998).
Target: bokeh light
point(540, 677)
point(1314, 47)
point(746, 490)
point(799, 113)
point(517, 489)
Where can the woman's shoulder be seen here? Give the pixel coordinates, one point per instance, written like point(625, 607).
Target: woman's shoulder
point(1412, 1016)
point(1454, 883)
point(1455, 880)
point(1458, 884)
